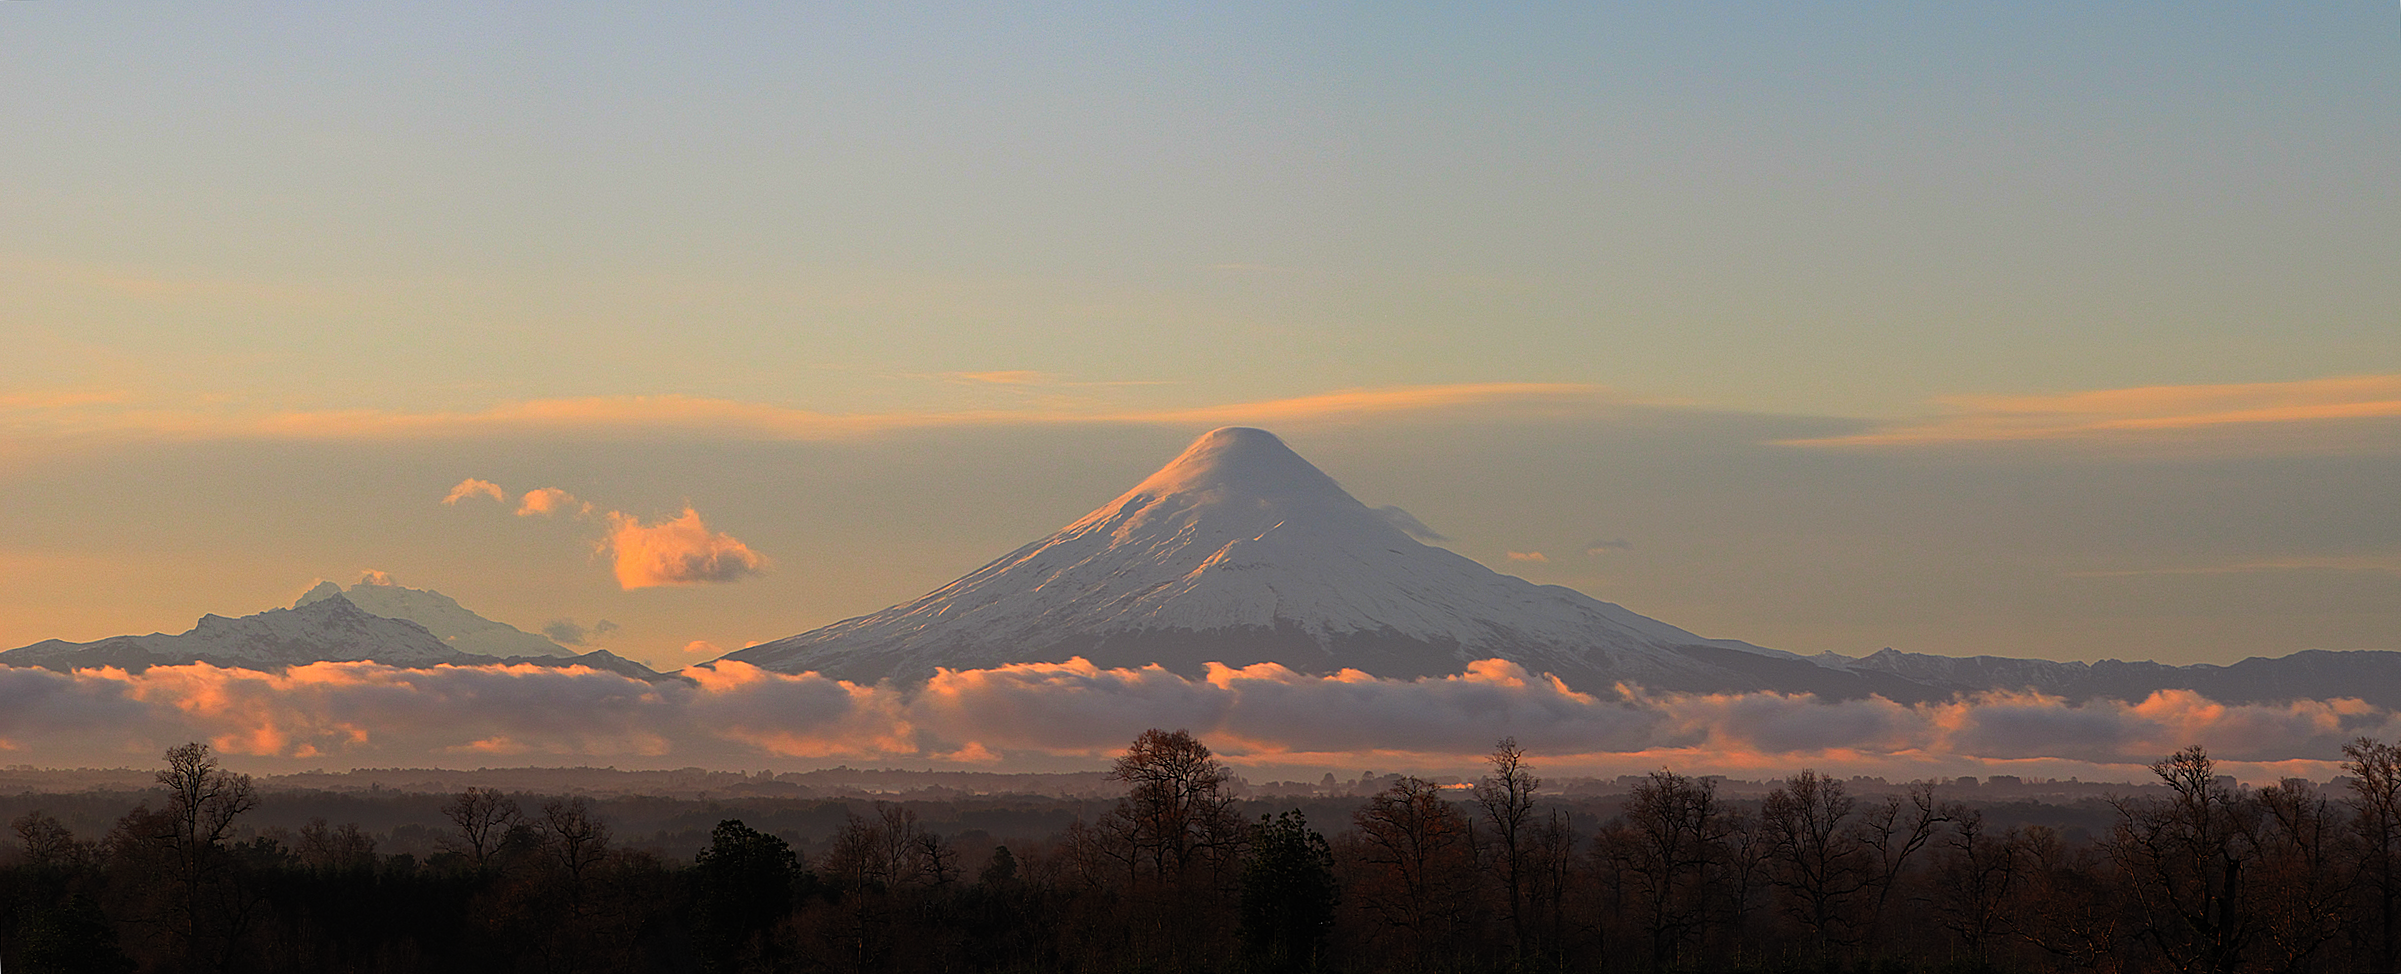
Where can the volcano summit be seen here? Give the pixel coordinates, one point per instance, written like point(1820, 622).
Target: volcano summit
point(1240, 552)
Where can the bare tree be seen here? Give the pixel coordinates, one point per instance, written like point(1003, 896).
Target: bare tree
point(1891, 832)
point(1176, 812)
point(1551, 868)
point(2069, 904)
point(203, 800)
point(1819, 862)
point(2185, 858)
point(1975, 875)
point(2375, 802)
point(483, 817)
point(2305, 873)
point(1419, 854)
point(1746, 859)
point(889, 849)
point(47, 842)
point(577, 841)
point(1673, 828)
point(1507, 797)
point(335, 849)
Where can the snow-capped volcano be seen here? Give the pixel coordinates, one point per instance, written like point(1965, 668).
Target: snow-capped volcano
point(1240, 551)
point(440, 614)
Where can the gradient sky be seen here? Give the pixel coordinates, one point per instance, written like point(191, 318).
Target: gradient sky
point(2067, 330)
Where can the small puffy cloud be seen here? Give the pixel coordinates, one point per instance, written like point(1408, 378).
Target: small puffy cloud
point(374, 577)
point(471, 488)
point(703, 647)
point(1607, 545)
point(568, 632)
point(1409, 524)
point(1528, 556)
point(678, 551)
point(550, 500)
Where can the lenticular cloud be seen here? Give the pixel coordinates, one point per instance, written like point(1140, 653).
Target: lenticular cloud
point(1262, 716)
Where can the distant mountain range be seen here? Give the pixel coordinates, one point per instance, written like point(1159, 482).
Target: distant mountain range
point(413, 628)
point(1239, 551)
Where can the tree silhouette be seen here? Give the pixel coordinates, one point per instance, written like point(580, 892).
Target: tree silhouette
point(742, 884)
point(209, 911)
point(1507, 797)
point(2185, 858)
point(1288, 894)
point(1418, 859)
point(1175, 814)
point(2375, 771)
point(1819, 863)
point(483, 817)
point(1673, 828)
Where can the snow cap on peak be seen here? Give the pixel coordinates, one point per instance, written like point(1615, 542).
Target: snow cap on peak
point(335, 606)
point(1243, 459)
point(324, 590)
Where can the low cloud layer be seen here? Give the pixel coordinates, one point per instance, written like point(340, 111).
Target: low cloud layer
point(1262, 717)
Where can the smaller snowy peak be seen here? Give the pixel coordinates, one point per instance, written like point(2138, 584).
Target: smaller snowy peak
point(440, 614)
point(326, 627)
point(330, 629)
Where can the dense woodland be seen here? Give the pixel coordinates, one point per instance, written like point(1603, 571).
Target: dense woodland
point(1175, 874)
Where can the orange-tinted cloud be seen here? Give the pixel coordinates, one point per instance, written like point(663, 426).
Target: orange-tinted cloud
point(1535, 556)
point(678, 551)
point(545, 501)
point(472, 488)
point(2146, 411)
point(1010, 377)
point(1264, 716)
point(697, 416)
point(1351, 404)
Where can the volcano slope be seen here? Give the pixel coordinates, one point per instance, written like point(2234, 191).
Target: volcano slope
point(1240, 552)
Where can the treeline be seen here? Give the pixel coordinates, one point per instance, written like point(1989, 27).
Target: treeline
point(2204, 875)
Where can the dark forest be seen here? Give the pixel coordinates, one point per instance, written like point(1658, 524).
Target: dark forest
point(1172, 871)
